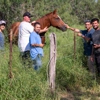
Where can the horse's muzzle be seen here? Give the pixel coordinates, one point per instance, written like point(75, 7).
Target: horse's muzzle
point(64, 28)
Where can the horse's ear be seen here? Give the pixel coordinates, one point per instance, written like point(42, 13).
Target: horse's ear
point(55, 11)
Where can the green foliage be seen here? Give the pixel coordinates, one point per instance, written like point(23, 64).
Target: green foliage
point(26, 83)
point(84, 10)
point(12, 10)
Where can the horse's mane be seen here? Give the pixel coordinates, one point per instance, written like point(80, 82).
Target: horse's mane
point(48, 14)
point(42, 19)
point(45, 15)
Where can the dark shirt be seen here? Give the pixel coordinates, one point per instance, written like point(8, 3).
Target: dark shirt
point(1, 41)
point(96, 40)
point(96, 37)
point(87, 45)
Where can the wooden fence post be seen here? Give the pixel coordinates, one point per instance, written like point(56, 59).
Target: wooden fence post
point(74, 45)
point(10, 56)
point(52, 67)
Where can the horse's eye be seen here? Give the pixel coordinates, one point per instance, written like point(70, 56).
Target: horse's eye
point(57, 18)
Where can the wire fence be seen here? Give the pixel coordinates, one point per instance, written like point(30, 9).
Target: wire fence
point(64, 48)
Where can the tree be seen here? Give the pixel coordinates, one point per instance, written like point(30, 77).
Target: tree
point(83, 9)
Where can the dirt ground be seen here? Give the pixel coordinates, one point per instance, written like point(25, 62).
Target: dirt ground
point(77, 95)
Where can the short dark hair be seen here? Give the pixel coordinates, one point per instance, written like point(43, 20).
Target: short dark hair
point(86, 21)
point(94, 19)
point(36, 23)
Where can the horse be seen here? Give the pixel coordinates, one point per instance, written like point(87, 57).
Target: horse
point(50, 19)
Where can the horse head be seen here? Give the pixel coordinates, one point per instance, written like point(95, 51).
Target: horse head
point(56, 21)
point(51, 19)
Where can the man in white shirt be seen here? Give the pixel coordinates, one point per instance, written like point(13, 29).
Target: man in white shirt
point(25, 28)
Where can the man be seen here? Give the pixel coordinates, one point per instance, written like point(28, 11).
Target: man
point(87, 35)
point(36, 50)
point(25, 28)
point(96, 42)
point(2, 27)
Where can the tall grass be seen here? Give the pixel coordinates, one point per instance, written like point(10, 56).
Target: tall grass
point(27, 84)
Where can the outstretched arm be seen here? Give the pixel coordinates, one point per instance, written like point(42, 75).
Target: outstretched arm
point(84, 37)
point(78, 33)
point(73, 29)
point(44, 30)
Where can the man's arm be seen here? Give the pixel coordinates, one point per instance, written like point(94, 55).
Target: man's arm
point(38, 45)
point(84, 37)
point(33, 42)
point(73, 29)
point(96, 46)
point(78, 33)
point(44, 30)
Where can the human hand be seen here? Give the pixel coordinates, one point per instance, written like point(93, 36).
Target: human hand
point(79, 34)
point(67, 26)
point(92, 58)
point(45, 29)
point(96, 46)
point(41, 45)
point(33, 22)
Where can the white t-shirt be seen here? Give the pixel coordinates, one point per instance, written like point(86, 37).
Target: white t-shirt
point(25, 28)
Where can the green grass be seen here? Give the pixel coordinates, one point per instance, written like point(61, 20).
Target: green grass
point(72, 78)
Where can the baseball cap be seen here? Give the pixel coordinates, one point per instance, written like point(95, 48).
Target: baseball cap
point(27, 14)
point(2, 22)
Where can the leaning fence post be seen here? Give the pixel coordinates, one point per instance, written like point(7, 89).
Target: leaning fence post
point(10, 56)
point(52, 67)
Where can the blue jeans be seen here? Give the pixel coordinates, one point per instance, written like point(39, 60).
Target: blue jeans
point(37, 63)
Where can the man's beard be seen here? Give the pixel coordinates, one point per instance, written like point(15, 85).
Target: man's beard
point(96, 28)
